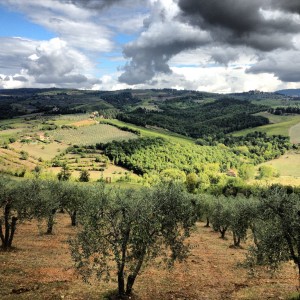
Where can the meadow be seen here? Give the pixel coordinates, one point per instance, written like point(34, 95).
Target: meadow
point(280, 125)
point(287, 164)
point(153, 131)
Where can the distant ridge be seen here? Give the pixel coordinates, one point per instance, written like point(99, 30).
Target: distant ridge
point(289, 92)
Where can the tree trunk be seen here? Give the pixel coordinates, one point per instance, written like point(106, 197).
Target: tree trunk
point(50, 223)
point(12, 230)
point(6, 224)
point(223, 231)
point(9, 228)
point(121, 266)
point(1, 233)
point(256, 242)
point(74, 218)
point(121, 283)
point(207, 222)
point(236, 240)
point(131, 277)
point(130, 282)
point(298, 275)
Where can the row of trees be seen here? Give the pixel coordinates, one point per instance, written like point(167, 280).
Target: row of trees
point(271, 219)
point(124, 230)
point(284, 110)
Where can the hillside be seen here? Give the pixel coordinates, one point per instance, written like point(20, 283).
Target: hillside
point(295, 93)
point(41, 268)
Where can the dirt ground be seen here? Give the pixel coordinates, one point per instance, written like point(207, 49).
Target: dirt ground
point(40, 267)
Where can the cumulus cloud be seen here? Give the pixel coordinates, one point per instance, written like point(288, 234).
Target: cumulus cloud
point(285, 66)
point(54, 62)
point(163, 38)
point(71, 23)
point(242, 22)
point(44, 63)
point(13, 52)
point(20, 78)
point(221, 32)
point(151, 52)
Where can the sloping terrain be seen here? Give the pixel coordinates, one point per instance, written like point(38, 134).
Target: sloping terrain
point(41, 268)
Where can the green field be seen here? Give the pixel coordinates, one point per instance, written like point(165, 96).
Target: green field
point(100, 133)
point(287, 165)
point(276, 102)
point(153, 132)
point(295, 133)
point(280, 125)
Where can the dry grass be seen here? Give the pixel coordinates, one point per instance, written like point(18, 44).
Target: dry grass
point(41, 268)
point(287, 164)
point(39, 149)
point(81, 123)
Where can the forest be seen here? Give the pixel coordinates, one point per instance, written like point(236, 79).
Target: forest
point(146, 155)
point(196, 120)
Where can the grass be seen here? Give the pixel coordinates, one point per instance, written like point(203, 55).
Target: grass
point(154, 132)
point(40, 150)
point(40, 267)
point(281, 125)
point(100, 133)
point(295, 133)
point(275, 102)
point(287, 164)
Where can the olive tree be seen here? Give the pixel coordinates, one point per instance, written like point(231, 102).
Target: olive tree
point(123, 230)
point(220, 217)
point(242, 215)
point(16, 200)
point(47, 202)
point(277, 230)
point(73, 196)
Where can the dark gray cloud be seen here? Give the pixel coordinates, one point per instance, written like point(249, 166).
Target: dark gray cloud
point(20, 78)
point(292, 6)
point(94, 4)
point(261, 26)
point(224, 55)
point(147, 59)
point(151, 52)
point(239, 22)
point(285, 66)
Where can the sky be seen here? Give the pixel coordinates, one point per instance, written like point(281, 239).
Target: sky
point(206, 45)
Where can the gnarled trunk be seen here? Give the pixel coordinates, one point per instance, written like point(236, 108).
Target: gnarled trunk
point(223, 230)
point(51, 222)
point(131, 277)
point(9, 228)
point(236, 239)
point(74, 218)
point(207, 222)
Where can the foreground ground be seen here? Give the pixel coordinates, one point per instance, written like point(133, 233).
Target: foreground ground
point(40, 268)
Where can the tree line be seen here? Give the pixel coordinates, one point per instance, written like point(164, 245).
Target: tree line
point(284, 110)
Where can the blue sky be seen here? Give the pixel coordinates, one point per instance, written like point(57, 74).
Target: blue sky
point(184, 44)
point(14, 24)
